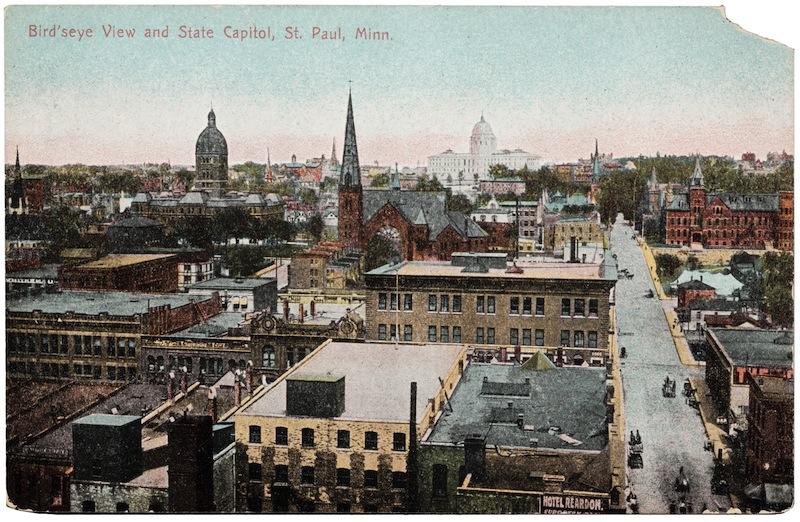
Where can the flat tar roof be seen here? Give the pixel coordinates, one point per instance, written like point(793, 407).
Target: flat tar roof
point(377, 378)
point(94, 303)
point(767, 348)
point(119, 260)
point(556, 270)
point(571, 399)
point(229, 283)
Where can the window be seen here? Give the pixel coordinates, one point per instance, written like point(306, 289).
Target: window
point(592, 339)
point(371, 440)
point(307, 436)
point(457, 303)
point(490, 335)
point(526, 305)
point(408, 303)
point(408, 333)
point(564, 337)
point(343, 477)
point(490, 304)
point(268, 357)
point(393, 302)
point(370, 478)
point(343, 439)
point(514, 305)
point(112, 373)
point(444, 303)
point(431, 303)
point(255, 434)
point(539, 337)
point(592, 307)
point(281, 473)
point(382, 301)
point(381, 332)
point(254, 471)
point(580, 307)
point(307, 475)
point(432, 334)
point(540, 306)
point(456, 334)
point(88, 506)
point(513, 336)
point(480, 304)
point(479, 335)
point(526, 336)
point(393, 332)
point(579, 339)
point(282, 436)
point(399, 441)
point(398, 480)
point(122, 507)
point(439, 480)
point(445, 334)
point(565, 307)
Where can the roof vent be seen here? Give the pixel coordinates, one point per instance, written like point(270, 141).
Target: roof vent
point(534, 442)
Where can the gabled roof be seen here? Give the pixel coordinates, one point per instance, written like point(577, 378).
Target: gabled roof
point(695, 284)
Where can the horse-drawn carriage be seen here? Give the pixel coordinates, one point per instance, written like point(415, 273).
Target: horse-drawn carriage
point(635, 450)
point(690, 393)
point(682, 503)
point(668, 389)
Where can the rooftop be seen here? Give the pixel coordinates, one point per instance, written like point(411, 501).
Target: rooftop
point(49, 271)
point(490, 397)
point(216, 326)
point(775, 388)
point(119, 260)
point(748, 347)
point(231, 283)
point(377, 378)
point(94, 303)
point(107, 419)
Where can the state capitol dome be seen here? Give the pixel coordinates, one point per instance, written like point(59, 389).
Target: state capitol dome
point(482, 142)
point(482, 129)
point(211, 140)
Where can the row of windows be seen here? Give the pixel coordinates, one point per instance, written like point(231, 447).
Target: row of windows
point(518, 305)
point(342, 438)
point(60, 370)
point(724, 222)
point(307, 476)
point(81, 344)
point(530, 337)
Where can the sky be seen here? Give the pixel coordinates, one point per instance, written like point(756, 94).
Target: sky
point(674, 80)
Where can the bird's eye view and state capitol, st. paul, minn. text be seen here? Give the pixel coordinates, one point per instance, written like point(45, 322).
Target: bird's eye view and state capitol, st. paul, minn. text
point(536, 280)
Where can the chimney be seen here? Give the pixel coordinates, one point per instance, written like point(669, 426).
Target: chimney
point(560, 357)
point(510, 404)
point(573, 249)
point(237, 389)
point(170, 391)
point(503, 354)
point(302, 313)
point(212, 404)
point(701, 278)
point(184, 378)
point(412, 466)
point(313, 308)
point(518, 354)
point(527, 381)
point(520, 421)
point(285, 309)
point(248, 378)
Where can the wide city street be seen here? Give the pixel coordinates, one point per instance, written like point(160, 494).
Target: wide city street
point(671, 431)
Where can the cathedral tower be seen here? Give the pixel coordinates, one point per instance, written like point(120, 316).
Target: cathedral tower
point(350, 195)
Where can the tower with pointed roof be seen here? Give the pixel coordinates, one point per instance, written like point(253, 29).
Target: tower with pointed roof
point(350, 192)
point(697, 203)
point(211, 158)
point(654, 193)
point(597, 168)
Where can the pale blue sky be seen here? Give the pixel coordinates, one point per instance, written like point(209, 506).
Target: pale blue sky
point(549, 80)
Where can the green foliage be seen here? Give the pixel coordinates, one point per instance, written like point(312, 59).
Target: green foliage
point(64, 229)
point(667, 265)
point(314, 226)
point(244, 260)
point(424, 184)
point(652, 230)
point(459, 203)
point(308, 197)
point(778, 274)
point(379, 252)
point(282, 188)
point(195, 231)
point(621, 192)
point(380, 180)
point(500, 171)
point(693, 263)
point(544, 178)
point(118, 181)
point(230, 222)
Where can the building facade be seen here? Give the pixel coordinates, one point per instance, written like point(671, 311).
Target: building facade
point(200, 204)
point(563, 308)
point(123, 272)
point(211, 158)
point(770, 430)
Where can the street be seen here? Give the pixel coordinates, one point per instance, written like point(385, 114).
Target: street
point(671, 431)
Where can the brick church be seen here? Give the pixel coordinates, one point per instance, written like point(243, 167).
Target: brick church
point(418, 223)
point(728, 220)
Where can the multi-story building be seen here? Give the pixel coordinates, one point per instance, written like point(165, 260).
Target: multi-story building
point(729, 220)
point(483, 153)
point(770, 430)
point(327, 265)
point(735, 353)
point(211, 158)
point(240, 294)
point(563, 308)
point(500, 448)
point(93, 335)
point(560, 235)
point(512, 185)
point(123, 272)
point(338, 432)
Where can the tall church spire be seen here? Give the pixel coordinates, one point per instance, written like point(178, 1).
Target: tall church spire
point(17, 168)
point(350, 175)
point(334, 160)
point(697, 175)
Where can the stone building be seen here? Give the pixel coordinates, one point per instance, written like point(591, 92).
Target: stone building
point(169, 210)
point(417, 223)
point(123, 272)
point(559, 235)
point(504, 444)
point(211, 158)
point(79, 335)
point(563, 308)
point(770, 430)
point(729, 220)
point(338, 432)
point(327, 265)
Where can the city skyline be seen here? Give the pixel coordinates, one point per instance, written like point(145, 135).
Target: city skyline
point(635, 78)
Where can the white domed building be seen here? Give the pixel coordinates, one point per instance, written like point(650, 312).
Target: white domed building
point(457, 168)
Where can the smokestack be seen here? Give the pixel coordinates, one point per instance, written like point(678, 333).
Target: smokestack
point(184, 378)
point(248, 378)
point(212, 404)
point(412, 466)
point(573, 249)
point(560, 356)
point(313, 308)
point(503, 354)
point(285, 309)
point(518, 354)
point(170, 390)
point(520, 421)
point(302, 313)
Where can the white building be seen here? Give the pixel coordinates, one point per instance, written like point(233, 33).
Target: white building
point(455, 168)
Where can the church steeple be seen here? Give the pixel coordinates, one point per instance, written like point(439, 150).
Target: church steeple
point(653, 178)
point(334, 160)
point(697, 175)
point(17, 168)
point(350, 175)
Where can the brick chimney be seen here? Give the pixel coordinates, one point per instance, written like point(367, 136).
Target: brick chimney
point(503, 354)
point(302, 313)
point(212, 404)
point(560, 357)
point(285, 309)
point(313, 308)
point(518, 354)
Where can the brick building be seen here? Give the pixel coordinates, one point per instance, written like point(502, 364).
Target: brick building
point(25, 194)
point(497, 186)
point(693, 290)
point(334, 434)
point(770, 430)
point(417, 223)
point(327, 265)
point(93, 335)
point(123, 272)
point(726, 220)
point(480, 299)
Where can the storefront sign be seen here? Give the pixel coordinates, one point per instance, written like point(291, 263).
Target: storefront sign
point(554, 504)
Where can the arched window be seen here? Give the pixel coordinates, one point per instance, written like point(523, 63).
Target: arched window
point(268, 357)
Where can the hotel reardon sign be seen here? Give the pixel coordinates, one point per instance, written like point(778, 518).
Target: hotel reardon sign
point(555, 504)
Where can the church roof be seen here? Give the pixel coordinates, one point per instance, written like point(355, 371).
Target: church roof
point(211, 140)
point(350, 173)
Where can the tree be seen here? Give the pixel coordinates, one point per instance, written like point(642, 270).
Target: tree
point(63, 228)
point(230, 222)
point(459, 203)
point(380, 251)
point(778, 273)
point(651, 228)
point(314, 226)
point(667, 264)
point(428, 185)
point(693, 263)
point(621, 192)
point(380, 180)
point(195, 231)
point(500, 171)
point(244, 260)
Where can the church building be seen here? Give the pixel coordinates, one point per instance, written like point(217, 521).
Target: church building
point(418, 223)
